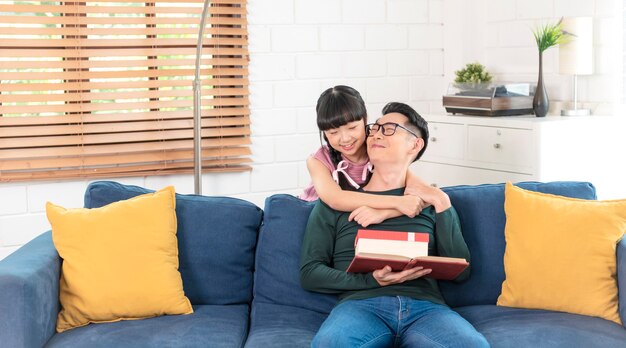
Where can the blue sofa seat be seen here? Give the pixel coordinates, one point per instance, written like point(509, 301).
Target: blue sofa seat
point(221, 325)
point(240, 269)
point(517, 327)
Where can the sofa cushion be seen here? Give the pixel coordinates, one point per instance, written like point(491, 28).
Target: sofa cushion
point(120, 261)
point(208, 326)
point(515, 327)
point(216, 241)
point(560, 253)
point(481, 213)
point(278, 326)
point(277, 275)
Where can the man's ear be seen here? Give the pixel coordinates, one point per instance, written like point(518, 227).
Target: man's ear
point(417, 145)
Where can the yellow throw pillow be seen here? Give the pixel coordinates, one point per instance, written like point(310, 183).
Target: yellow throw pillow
point(120, 261)
point(561, 253)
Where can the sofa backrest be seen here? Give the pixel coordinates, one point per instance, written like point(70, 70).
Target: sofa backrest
point(277, 275)
point(216, 241)
point(481, 212)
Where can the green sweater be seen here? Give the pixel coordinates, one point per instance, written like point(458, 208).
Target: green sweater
point(328, 248)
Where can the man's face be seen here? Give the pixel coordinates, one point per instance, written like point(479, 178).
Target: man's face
point(399, 148)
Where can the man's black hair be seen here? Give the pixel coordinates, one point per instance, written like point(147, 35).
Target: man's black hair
point(416, 122)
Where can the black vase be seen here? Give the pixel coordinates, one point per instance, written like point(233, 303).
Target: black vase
point(541, 103)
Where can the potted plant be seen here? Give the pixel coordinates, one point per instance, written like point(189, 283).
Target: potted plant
point(546, 36)
point(473, 79)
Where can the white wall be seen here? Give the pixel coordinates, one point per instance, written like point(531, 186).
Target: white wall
point(387, 49)
point(498, 33)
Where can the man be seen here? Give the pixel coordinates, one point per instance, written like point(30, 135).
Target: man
point(385, 308)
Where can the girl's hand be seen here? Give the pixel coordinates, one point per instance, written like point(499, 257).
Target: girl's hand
point(385, 276)
point(411, 204)
point(431, 196)
point(366, 216)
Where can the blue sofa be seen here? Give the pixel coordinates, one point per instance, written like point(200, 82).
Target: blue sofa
point(240, 269)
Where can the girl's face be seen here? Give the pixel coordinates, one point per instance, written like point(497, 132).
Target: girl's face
point(347, 139)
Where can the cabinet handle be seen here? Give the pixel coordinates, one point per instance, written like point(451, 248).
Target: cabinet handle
point(433, 139)
point(496, 145)
point(434, 185)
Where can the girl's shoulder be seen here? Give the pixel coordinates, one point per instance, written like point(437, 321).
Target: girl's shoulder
point(323, 155)
point(322, 150)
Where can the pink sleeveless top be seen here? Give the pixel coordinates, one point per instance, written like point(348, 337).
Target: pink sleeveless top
point(355, 173)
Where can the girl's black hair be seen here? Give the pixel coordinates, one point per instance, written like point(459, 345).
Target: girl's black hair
point(338, 106)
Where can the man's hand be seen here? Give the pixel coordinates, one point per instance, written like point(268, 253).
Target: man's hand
point(431, 196)
point(366, 216)
point(410, 205)
point(385, 276)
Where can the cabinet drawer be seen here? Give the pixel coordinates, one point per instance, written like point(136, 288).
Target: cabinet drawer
point(499, 145)
point(446, 140)
point(441, 175)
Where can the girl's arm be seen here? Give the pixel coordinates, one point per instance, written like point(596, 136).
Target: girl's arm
point(338, 199)
point(413, 182)
point(366, 216)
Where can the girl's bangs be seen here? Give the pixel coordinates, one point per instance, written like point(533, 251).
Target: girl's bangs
point(335, 117)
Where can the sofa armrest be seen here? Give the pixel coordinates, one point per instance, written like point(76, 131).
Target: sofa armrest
point(29, 288)
point(621, 279)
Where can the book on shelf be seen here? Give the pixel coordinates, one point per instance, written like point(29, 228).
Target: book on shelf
point(399, 250)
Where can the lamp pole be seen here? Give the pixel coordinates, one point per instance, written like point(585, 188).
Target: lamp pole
point(197, 107)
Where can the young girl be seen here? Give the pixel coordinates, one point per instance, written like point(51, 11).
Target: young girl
point(342, 166)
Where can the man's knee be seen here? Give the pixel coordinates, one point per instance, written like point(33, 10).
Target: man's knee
point(477, 340)
point(330, 339)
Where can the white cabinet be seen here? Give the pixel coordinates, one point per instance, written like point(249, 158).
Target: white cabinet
point(473, 150)
point(446, 140)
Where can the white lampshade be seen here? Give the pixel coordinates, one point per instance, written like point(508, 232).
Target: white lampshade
point(576, 56)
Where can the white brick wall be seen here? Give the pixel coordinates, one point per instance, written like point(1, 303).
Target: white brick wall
point(507, 47)
point(403, 50)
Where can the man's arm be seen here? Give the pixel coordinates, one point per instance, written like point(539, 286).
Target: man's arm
point(317, 256)
point(449, 239)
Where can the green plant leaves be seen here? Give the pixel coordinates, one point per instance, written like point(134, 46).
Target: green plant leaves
point(549, 35)
point(472, 73)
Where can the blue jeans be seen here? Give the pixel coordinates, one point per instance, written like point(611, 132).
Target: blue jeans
point(399, 321)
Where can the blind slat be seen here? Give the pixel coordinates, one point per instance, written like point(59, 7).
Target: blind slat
point(129, 74)
point(144, 30)
point(119, 42)
point(87, 8)
point(120, 63)
point(114, 52)
point(224, 165)
point(119, 127)
point(108, 149)
point(117, 117)
point(25, 142)
point(120, 159)
point(116, 97)
point(102, 107)
point(79, 20)
point(79, 86)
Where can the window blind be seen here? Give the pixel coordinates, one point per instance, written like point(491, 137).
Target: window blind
point(104, 89)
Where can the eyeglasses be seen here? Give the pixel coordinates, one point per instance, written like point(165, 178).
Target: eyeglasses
point(388, 128)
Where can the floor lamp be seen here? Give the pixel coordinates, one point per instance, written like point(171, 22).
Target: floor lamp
point(576, 55)
point(197, 107)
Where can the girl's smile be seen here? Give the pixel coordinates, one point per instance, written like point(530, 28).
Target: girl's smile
point(349, 139)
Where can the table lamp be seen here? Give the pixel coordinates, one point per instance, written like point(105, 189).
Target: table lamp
point(576, 55)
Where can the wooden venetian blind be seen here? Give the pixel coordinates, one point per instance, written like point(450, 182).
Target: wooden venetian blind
point(104, 88)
